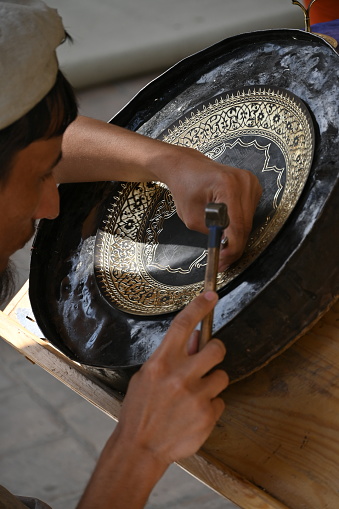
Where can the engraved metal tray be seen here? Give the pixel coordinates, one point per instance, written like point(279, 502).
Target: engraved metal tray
point(283, 286)
point(146, 261)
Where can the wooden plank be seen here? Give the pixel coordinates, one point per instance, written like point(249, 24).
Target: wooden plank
point(36, 350)
point(277, 444)
point(68, 372)
point(226, 482)
point(280, 427)
point(19, 297)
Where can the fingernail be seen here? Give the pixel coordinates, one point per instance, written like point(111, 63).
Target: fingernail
point(210, 295)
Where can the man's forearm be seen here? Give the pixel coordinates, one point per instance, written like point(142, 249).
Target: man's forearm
point(97, 151)
point(123, 478)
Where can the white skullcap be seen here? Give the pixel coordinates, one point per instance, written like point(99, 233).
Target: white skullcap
point(30, 32)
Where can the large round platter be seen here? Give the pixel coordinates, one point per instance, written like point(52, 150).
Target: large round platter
point(288, 276)
point(146, 261)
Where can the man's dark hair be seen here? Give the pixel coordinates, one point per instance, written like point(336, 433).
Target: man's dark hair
point(7, 283)
point(49, 118)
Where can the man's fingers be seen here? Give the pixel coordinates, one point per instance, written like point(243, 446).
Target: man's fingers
point(218, 407)
point(186, 321)
point(215, 382)
point(241, 211)
point(193, 343)
point(237, 237)
point(210, 356)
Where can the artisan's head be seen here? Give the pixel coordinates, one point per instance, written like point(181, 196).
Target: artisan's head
point(36, 106)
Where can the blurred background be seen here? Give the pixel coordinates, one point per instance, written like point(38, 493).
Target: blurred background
point(119, 46)
point(115, 39)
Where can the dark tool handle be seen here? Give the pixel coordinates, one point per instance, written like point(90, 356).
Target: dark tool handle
point(210, 281)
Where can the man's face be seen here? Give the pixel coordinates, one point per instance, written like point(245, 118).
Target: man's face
point(29, 193)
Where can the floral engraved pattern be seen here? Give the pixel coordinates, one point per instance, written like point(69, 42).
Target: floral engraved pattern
point(129, 235)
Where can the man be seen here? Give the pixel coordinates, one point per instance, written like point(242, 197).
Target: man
point(41, 143)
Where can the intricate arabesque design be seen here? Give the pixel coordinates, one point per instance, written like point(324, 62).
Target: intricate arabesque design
point(128, 239)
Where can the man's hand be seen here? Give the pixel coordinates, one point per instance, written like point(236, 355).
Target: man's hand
point(172, 403)
point(171, 407)
point(197, 180)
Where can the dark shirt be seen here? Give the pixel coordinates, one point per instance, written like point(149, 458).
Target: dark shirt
point(9, 501)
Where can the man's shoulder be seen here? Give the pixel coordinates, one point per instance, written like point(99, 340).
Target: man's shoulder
point(10, 501)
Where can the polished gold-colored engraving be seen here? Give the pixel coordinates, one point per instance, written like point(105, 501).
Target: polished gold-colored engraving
point(267, 129)
point(125, 252)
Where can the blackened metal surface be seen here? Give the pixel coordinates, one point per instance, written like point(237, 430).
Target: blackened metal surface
point(146, 261)
point(271, 302)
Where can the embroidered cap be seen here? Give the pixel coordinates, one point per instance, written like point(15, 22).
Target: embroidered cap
point(30, 32)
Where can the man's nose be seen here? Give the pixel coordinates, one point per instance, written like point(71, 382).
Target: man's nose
point(49, 205)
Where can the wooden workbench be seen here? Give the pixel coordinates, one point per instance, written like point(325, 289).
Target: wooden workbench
point(277, 444)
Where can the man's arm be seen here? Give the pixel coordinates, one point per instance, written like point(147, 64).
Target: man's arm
point(98, 151)
point(171, 407)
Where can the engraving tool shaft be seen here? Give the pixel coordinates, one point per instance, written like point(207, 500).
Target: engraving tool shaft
point(216, 220)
